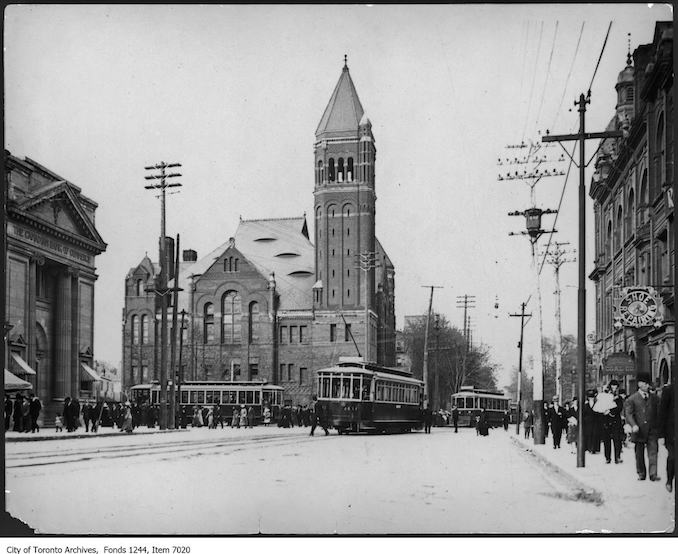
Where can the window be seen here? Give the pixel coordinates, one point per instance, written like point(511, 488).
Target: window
point(231, 317)
point(330, 171)
point(208, 322)
point(661, 166)
point(254, 370)
point(135, 329)
point(618, 229)
point(303, 375)
point(333, 332)
point(140, 287)
point(282, 371)
point(294, 336)
point(134, 373)
point(349, 171)
point(144, 329)
point(235, 268)
point(340, 170)
point(253, 322)
point(347, 332)
point(290, 372)
point(144, 374)
point(283, 334)
point(302, 333)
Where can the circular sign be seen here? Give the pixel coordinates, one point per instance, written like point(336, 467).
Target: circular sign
point(638, 308)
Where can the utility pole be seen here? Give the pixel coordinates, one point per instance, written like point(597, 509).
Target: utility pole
point(173, 339)
point(467, 303)
point(180, 379)
point(522, 315)
point(160, 182)
point(556, 257)
point(436, 382)
point(581, 136)
point(367, 262)
point(428, 320)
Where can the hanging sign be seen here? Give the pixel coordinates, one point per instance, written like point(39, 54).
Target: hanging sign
point(637, 307)
point(619, 363)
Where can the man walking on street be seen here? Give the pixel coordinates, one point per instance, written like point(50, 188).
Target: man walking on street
point(317, 416)
point(641, 414)
point(668, 430)
point(558, 421)
point(34, 410)
point(612, 425)
point(455, 418)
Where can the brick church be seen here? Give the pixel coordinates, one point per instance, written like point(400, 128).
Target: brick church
point(270, 304)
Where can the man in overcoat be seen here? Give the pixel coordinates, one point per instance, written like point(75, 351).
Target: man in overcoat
point(589, 422)
point(668, 431)
point(34, 410)
point(641, 409)
point(558, 419)
point(612, 425)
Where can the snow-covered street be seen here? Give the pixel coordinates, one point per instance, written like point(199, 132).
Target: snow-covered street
point(281, 481)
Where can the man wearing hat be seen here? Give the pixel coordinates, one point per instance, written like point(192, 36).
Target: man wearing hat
point(612, 425)
point(641, 414)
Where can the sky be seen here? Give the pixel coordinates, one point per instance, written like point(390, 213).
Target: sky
point(235, 92)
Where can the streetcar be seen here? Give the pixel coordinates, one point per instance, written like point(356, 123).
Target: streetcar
point(229, 394)
point(469, 401)
point(358, 396)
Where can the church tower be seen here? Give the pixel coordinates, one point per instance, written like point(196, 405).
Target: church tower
point(344, 195)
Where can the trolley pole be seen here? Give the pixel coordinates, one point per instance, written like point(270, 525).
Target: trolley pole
point(160, 182)
point(428, 320)
point(522, 315)
point(581, 136)
point(173, 339)
point(180, 378)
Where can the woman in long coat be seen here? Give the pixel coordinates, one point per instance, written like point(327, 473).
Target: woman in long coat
point(126, 418)
point(243, 416)
point(482, 423)
point(235, 420)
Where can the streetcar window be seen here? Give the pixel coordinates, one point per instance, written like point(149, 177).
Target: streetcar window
point(155, 396)
point(201, 397)
point(249, 395)
point(241, 397)
point(325, 388)
point(194, 397)
point(184, 397)
point(266, 395)
point(209, 397)
point(366, 389)
point(356, 387)
point(257, 397)
point(346, 387)
point(335, 386)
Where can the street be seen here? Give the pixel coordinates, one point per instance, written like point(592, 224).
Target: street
point(281, 481)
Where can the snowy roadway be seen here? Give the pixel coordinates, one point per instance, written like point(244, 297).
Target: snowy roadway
point(281, 481)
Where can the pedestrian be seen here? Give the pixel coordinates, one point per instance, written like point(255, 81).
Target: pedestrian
point(58, 424)
point(612, 423)
point(428, 419)
point(127, 425)
point(558, 421)
point(455, 418)
point(590, 422)
point(235, 421)
point(572, 425)
point(95, 415)
point(483, 424)
point(75, 407)
point(243, 416)
point(668, 431)
point(267, 416)
point(87, 415)
point(528, 421)
point(197, 417)
point(546, 419)
point(8, 410)
point(16, 412)
point(318, 416)
point(250, 416)
point(210, 419)
point(505, 419)
point(218, 416)
point(26, 414)
point(35, 408)
point(641, 409)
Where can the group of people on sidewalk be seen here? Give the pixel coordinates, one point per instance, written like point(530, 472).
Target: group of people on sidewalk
point(21, 414)
point(612, 419)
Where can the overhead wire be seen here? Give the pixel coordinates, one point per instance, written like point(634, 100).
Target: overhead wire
point(569, 74)
point(534, 75)
point(548, 72)
point(599, 58)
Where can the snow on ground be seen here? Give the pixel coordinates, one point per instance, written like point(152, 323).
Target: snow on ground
point(280, 481)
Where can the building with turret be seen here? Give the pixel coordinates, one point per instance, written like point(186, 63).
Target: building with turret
point(270, 304)
point(632, 189)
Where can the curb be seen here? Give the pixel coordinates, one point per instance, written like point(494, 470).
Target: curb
point(69, 436)
point(582, 491)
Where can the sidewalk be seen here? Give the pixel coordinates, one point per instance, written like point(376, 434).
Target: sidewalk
point(614, 486)
point(48, 433)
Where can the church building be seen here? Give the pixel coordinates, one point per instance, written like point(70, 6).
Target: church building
point(270, 304)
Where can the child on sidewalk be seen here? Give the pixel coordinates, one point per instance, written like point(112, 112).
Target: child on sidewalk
point(58, 424)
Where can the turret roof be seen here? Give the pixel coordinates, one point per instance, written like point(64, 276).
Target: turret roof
point(344, 111)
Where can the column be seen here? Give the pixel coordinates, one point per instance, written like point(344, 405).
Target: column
point(74, 331)
point(30, 319)
point(62, 361)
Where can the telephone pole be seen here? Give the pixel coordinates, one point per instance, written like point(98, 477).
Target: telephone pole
point(367, 262)
point(436, 381)
point(428, 320)
point(556, 257)
point(581, 136)
point(522, 315)
point(467, 303)
point(160, 289)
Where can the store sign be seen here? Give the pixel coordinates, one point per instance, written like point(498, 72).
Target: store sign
point(48, 244)
point(619, 363)
point(637, 307)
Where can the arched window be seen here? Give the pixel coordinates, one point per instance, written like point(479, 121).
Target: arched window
point(608, 240)
point(618, 236)
point(230, 319)
point(349, 170)
point(253, 331)
point(330, 175)
point(321, 176)
point(340, 171)
point(643, 200)
point(235, 266)
point(135, 329)
point(208, 322)
point(630, 221)
point(661, 164)
point(140, 287)
point(144, 329)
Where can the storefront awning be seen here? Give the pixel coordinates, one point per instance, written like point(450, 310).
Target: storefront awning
point(24, 367)
point(88, 374)
point(12, 382)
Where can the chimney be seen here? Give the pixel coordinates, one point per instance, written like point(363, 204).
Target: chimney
point(190, 256)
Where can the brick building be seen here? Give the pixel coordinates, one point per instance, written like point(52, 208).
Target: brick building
point(270, 304)
point(632, 189)
point(52, 243)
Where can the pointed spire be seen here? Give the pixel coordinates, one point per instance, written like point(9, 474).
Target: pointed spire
point(343, 111)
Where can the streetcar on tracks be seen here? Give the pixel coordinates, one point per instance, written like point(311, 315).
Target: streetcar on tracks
point(469, 401)
point(229, 394)
point(359, 396)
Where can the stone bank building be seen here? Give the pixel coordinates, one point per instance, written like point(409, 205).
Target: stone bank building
point(271, 303)
point(52, 244)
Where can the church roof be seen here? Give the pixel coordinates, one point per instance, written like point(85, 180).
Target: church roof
point(344, 111)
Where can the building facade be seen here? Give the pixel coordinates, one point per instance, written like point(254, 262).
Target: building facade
point(52, 244)
point(269, 304)
point(632, 189)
